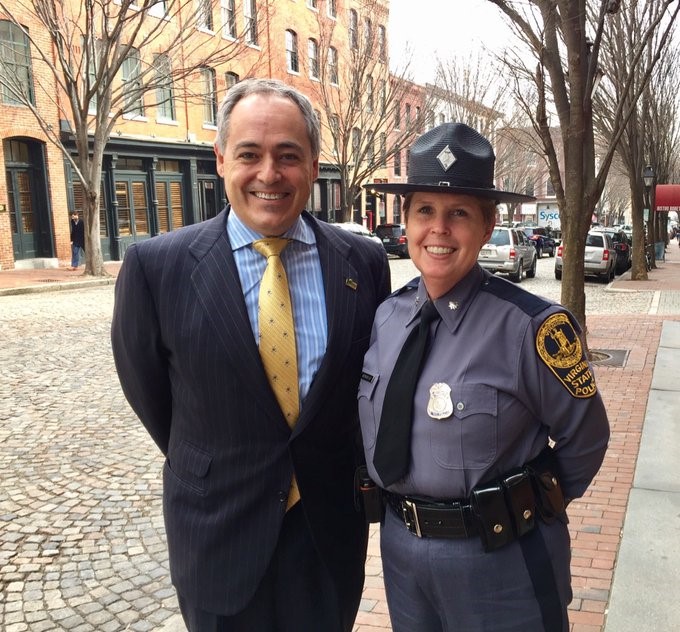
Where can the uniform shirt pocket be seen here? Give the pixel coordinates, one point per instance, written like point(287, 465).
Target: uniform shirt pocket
point(468, 439)
point(367, 413)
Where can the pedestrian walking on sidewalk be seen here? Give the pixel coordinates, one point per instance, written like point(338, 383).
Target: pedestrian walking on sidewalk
point(77, 240)
point(253, 400)
point(480, 415)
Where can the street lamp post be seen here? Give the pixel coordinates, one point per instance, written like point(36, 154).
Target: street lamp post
point(648, 178)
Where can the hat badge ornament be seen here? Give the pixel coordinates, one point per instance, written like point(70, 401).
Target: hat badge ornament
point(446, 158)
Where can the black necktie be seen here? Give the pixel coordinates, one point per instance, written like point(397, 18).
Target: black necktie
point(393, 444)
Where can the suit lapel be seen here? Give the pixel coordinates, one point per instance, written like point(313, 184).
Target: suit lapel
point(338, 276)
point(218, 288)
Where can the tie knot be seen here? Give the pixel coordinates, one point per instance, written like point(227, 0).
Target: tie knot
point(428, 313)
point(270, 246)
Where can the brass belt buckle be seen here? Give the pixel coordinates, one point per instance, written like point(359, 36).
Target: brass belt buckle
point(410, 515)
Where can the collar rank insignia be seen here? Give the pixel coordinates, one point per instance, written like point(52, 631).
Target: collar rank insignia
point(453, 305)
point(446, 158)
point(560, 348)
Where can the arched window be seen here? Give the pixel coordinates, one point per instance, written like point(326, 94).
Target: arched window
point(353, 29)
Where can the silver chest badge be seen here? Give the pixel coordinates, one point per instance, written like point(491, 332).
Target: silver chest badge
point(440, 405)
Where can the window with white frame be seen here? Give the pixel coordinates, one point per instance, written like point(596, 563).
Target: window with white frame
point(313, 53)
point(292, 51)
point(209, 91)
point(369, 93)
point(356, 144)
point(368, 35)
point(250, 17)
point(132, 84)
point(165, 92)
point(353, 29)
point(382, 43)
point(331, 8)
point(333, 65)
point(313, 4)
point(204, 19)
point(228, 18)
point(231, 79)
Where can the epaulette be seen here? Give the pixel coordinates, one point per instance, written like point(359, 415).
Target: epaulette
point(529, 303)
point(411, 285)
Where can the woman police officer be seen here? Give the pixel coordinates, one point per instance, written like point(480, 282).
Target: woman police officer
point(479, 413)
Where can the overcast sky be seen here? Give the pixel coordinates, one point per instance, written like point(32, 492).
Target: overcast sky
point(441, 28)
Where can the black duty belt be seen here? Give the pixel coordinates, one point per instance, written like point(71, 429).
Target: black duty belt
point(445, 519)
point(498, 512)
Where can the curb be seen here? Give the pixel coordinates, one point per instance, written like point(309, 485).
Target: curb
point(56, 286)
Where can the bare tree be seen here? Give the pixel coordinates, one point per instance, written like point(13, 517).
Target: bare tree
point(565, 76)
point(370, 113)
point(650, 135)
point(107, 60)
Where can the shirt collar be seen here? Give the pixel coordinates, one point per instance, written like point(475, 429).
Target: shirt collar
point(241, 235)
point(453, 305)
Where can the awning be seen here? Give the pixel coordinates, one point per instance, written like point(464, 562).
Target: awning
point(667, 197)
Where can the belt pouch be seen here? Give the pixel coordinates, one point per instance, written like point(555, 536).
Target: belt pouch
point(549, 496)
point(371, 496)
point(521, 501)
point(495, 524)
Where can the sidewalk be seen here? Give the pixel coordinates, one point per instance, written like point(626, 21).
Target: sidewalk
point(625, 555)
point(51, 279)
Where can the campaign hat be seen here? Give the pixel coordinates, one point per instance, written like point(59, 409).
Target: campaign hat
point(451, 158)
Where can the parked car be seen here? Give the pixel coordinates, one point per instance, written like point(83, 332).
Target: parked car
point(599, 258)
point(393, 239)
point(623, 247)
point(358, 229)
point(509, 251)
point(541, 240)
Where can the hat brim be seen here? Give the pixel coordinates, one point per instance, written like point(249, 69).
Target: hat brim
point(494, 194)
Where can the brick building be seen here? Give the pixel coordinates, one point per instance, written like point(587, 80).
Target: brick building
point(159, 166)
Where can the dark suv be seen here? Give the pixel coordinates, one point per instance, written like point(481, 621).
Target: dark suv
point(541, 239)
point(393, 237)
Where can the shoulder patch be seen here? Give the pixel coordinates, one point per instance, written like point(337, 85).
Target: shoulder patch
point(560, 348)
point(529, 303)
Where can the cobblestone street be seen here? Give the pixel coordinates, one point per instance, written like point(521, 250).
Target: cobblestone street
point(81, 538)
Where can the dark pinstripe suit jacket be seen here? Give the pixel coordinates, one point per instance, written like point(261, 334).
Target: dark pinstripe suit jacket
point(190, 368)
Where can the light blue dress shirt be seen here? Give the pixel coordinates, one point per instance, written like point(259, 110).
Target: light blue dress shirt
point(303, 268)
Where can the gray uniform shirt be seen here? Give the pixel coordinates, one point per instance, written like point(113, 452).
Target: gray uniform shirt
point(505, 372)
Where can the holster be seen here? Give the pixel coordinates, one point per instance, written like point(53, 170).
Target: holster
point(371, 495)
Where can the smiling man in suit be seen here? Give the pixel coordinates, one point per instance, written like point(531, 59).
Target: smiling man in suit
point(262, 529)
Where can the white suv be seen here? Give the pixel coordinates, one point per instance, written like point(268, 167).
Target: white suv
point(599, 258)
point(509, 251)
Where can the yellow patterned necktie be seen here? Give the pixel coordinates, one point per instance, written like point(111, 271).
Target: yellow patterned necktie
point(277, 336)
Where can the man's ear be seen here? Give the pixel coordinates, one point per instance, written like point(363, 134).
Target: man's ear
point(220, 159)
